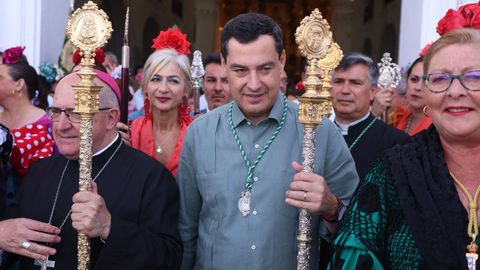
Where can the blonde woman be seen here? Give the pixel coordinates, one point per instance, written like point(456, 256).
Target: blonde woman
point(166, 84)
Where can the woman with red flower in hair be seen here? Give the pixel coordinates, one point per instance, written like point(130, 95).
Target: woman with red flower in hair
point(28, 124)
point(417, 208)
point(166, 85)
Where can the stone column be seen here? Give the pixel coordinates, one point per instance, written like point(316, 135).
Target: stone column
point(343, 24)
point(206, 16)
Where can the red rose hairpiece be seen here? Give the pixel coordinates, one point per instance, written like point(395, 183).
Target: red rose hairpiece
point(425, 49)
point(467, 16)
point(12, 55)
point(99, 56)
point(172, 38)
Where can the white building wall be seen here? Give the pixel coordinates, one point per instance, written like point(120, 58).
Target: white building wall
point(39, 25)
point(418, 25)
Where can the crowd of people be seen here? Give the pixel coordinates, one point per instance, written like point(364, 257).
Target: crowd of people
point(223, 189)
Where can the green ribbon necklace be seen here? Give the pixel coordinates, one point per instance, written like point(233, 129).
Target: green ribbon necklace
point(361, 134)
point(244, 201)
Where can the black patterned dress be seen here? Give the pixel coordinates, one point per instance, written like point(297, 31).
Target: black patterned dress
point(405, 214)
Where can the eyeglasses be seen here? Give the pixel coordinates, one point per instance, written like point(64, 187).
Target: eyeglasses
point(440, 82)
point(54, 114)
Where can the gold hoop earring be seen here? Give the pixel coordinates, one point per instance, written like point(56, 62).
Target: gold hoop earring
point(425, 111)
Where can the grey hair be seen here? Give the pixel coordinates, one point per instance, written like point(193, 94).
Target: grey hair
point(113, 57)
point(162, 57)
point(356, 58)
point(108, 99)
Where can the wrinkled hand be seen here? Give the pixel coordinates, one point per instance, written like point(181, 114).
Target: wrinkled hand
point(123, 130)
point(318, 200)
point(381, 101)
point(13, 232)
point(90, 214)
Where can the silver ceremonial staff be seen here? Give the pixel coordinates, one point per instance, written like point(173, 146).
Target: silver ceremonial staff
point(314, 40)
point(389, 76)
point(88, 28)
point(197, 76)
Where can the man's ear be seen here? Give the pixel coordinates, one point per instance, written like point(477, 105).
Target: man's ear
point(223, 62)
point(283, 59)
point(373, 92)
point(113, 118)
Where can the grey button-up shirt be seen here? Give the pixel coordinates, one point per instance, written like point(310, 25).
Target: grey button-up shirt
point(212, 174)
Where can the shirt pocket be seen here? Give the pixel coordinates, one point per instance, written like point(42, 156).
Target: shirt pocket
point(213, 189)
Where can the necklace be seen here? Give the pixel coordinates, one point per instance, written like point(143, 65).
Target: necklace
point(244, 201)
point(158, 146)
point(409, 123)
point(48, 263)
point(361, 134)
point(472, 248)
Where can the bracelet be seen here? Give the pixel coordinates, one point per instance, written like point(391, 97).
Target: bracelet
point(103, 241)
point(334, 217)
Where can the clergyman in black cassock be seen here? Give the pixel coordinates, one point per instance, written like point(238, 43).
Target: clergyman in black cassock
point(140, 194)
point(131, 214)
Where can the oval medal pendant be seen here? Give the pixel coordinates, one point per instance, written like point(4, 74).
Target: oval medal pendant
point(159, 150)
point(472, 256)
point(244, 203)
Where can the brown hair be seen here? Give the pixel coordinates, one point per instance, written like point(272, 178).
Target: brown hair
point(459, 36)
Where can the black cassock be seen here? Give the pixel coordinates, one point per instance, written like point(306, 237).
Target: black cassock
point(378, 138)
point(141, 196)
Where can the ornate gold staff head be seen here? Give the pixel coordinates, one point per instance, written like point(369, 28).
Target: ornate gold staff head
point(315, 42)
point(88, 29)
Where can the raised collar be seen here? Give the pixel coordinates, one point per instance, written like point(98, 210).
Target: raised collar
point(106, 147)
point(344, 127)
point(102, 156)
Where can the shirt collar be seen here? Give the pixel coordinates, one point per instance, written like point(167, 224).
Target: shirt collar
point(106, 147)
point(276, 112)
point(344, 127)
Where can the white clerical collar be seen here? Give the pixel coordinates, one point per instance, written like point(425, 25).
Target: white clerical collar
point(106, 147)
point(344, 127)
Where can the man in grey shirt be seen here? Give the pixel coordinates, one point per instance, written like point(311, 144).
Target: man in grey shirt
point(240, 191)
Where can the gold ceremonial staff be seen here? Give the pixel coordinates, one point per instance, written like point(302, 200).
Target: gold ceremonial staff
point(315, 42)
point(88, 28)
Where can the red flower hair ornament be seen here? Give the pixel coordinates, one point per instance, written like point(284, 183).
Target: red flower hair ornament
point(12, 55)
point(99, 56)
point(173, 38)
point(467, 16)
point(423, 52)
